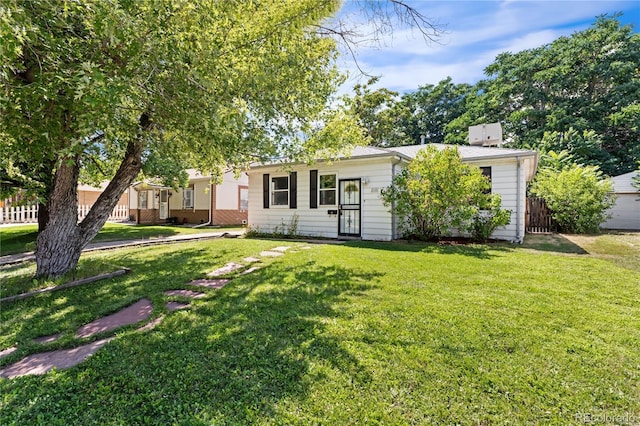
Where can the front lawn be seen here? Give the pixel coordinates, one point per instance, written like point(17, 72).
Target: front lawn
point(360, 333)
point(22, 238)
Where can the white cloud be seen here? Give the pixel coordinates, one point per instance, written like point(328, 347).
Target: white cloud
point(476, 33)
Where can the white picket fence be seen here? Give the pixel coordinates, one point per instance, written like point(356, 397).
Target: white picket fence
point(29, 214)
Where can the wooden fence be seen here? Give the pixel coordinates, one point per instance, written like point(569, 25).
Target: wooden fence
point(29, 214)
point(538, 218)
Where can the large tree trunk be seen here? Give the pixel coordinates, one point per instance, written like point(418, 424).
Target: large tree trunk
point(58, 244)
point(62, 239)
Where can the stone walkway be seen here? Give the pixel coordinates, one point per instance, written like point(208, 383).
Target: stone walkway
point(139, 311)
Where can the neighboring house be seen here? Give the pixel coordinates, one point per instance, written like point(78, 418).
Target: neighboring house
point(18, 209)
point(199, 203)
point(342, 199)
point(88, 195)
point(625, 214)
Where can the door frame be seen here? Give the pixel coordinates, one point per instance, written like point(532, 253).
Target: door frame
point(358, 208)
point(166, 205)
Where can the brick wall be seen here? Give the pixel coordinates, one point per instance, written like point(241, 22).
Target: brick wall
point(190, 216)
point(229, 217)
point(147, 217)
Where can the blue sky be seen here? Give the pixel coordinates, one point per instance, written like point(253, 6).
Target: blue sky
point(475, 32)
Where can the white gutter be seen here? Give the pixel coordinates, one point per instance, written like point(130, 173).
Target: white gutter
point(519, 238)
point(210, 208)
point(394, 219)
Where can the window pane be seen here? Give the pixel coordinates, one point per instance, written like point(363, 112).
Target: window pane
point(244, 199)
point(280, 183)
point(280, 198)
point(327, 181)
point(188, 198)
point(328, 197)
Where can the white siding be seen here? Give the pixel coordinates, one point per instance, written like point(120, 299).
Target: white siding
point(375, 217)
point(227, 194)
point(377, 222)
point(625, 214)
point(504, 180)
point(201, 195)
point(133, 198)
point(175, 201)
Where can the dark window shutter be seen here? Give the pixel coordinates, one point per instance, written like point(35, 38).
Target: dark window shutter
point(265, 190)
point(313, 184)
point(293, 190)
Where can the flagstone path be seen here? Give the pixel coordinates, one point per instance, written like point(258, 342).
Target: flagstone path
point(41, 363)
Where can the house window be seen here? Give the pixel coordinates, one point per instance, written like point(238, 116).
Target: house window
point(327, 190)
point(244, 199)
point(187, 198)
point(486, 171)
point(143, 200)
point(280, 191)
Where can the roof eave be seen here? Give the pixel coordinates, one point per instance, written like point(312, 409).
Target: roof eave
point(324, 160)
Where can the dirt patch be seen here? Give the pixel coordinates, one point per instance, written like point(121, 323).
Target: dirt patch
point(130, 315)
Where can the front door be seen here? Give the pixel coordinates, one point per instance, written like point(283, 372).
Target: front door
point(164, 204)
point(349, 202)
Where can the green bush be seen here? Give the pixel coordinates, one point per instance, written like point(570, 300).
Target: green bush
point(487, 220)
point(578, 196)
point(438, 193)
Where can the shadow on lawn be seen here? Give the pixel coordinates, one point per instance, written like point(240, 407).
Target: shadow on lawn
point(134, 232)
point(65, 311)
point(231, 358)
point(552, 243)
point(480, 251)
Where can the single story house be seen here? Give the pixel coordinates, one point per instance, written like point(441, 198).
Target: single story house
point(341, 199)
point(201, 202)
point(88, 194)
point(625, 214)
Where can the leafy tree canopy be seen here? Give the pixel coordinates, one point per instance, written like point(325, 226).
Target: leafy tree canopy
point(578, 196)
point(104, 89)
point(209, 82)
point(579, 93)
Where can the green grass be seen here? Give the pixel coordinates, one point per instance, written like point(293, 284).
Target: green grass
point(361, 333)
point(22, 238)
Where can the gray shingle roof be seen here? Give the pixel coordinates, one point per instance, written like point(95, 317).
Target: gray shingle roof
point(467, 152)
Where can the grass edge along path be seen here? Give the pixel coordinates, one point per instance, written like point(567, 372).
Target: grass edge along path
point(66, 285)
point(21, 238)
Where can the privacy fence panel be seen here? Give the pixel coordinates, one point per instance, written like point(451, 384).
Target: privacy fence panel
point(538, 217)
